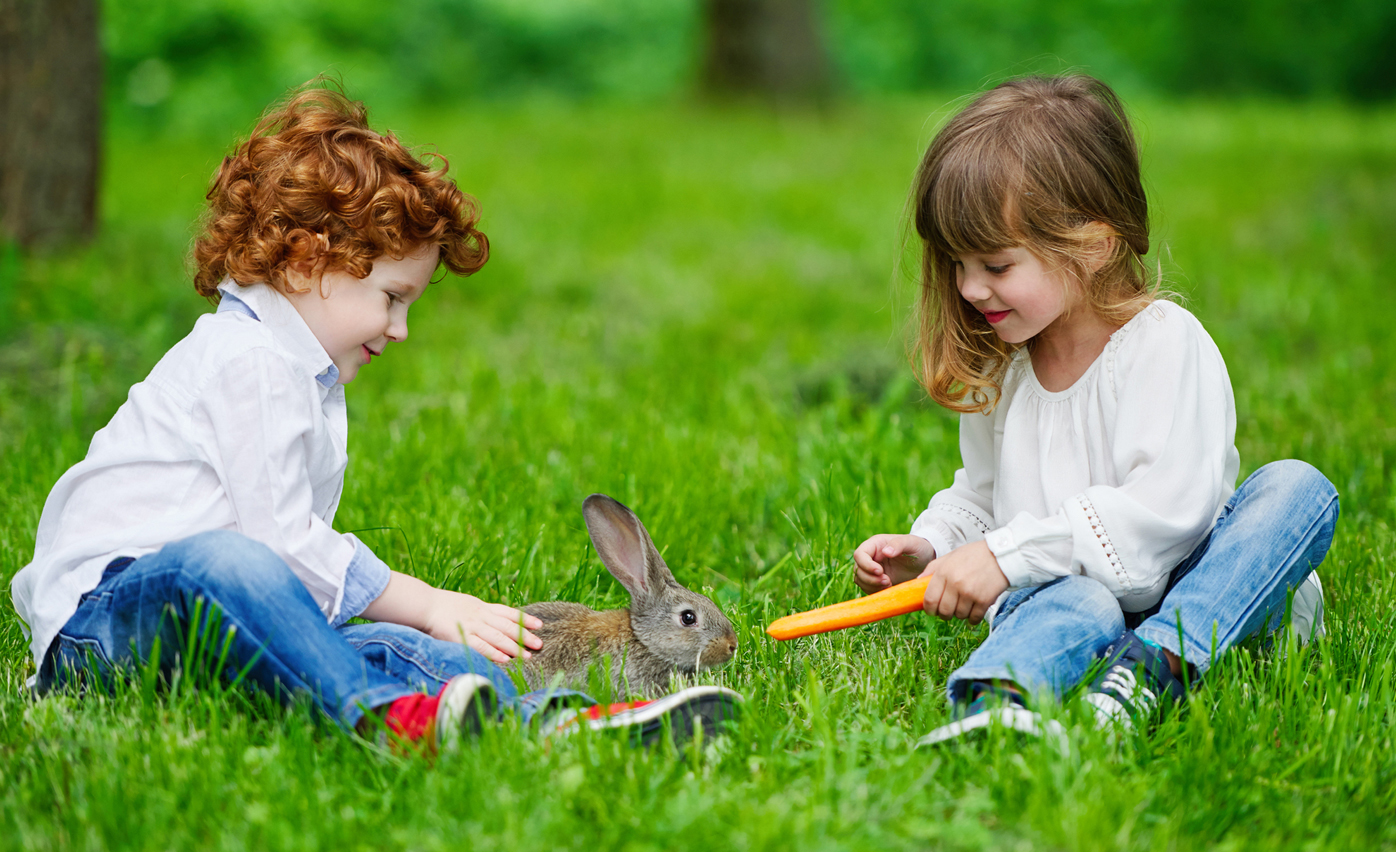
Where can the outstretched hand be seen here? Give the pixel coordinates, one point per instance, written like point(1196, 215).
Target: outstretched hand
point(886, 560)
point(499, 632)
point(964, 583)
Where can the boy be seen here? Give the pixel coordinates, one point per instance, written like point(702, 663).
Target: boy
point(208, 500)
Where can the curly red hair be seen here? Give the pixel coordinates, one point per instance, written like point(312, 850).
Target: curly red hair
point(314, 186)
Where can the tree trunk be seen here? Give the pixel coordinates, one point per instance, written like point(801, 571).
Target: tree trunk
point(770, 48)
point(50, 120)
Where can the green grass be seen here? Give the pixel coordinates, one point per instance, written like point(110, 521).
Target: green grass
point(698, 312)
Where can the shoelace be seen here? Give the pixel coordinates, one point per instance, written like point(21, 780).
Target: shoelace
point(1121, 681)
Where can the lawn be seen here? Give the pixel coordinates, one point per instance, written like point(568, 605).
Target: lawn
point(703, 314)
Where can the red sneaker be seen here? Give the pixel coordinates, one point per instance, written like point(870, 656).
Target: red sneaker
point(710, 708)
point(438, 721)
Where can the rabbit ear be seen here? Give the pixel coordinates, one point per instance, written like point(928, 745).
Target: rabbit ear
point(625, 547)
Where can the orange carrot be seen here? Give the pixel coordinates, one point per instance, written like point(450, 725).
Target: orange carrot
point(898, 600)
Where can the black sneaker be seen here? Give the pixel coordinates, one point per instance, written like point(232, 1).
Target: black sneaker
point(993, 707)
point(1130, 688)
point(705, 708)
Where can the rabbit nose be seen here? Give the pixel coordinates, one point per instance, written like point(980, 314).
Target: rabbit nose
point(721, 649)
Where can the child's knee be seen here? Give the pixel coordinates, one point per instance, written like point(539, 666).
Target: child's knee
point(1299, 486)
point(1099, 598)
point(227, 563)
point(420, 659)
point(1080, 601)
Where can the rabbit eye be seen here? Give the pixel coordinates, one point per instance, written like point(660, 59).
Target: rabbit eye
point(688, 617)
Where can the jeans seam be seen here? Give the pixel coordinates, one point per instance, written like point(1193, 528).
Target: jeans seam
point(349, 703)
point(84, 644)
point(1198, 657)
point(1318, 519)
point(404, 652)
point(177, 583)
point(997, 669)
point(1056, 665)
point(94, 596)
point(1204, 660)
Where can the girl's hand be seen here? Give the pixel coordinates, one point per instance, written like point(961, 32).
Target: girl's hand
point(885, 560)
point(492, 629)
point(964, 583)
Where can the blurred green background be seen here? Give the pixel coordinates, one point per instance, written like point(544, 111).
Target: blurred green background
point(207, 62)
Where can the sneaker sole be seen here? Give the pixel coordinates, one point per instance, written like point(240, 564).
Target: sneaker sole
point(709, 708)
point(460, 713)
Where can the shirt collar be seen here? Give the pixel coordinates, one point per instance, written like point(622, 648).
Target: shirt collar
point(269, 307)
point(229, 303)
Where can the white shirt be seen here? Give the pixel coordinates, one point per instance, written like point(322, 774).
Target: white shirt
point(240, 426)
point(1117, 478)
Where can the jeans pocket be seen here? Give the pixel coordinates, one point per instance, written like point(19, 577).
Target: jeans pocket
point(116, 566)
point(70, 658)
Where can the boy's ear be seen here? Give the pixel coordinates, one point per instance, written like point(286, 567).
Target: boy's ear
point(307, 262)
point(300, 276)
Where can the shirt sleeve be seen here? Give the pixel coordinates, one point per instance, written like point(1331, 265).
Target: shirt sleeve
point(259, 426)
point(364, 580)
point(964, 512)
point(1173, 449)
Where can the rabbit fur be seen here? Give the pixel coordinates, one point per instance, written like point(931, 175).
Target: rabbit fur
point(666, 631)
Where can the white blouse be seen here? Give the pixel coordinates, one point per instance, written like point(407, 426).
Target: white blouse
point(1117, 478)
point(240, 426)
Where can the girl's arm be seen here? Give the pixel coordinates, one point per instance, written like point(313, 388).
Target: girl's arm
point(964, 512)
point(499, 632)
point(958, 515)
point(886, 560)
point(964, 583)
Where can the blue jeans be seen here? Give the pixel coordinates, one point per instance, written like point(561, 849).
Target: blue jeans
point(1273, 531)
point(278, 633)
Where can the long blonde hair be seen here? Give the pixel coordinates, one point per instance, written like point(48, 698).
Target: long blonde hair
point(1041, 162)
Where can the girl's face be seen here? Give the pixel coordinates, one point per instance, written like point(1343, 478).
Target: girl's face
point(356, 318)
point(1016, 294)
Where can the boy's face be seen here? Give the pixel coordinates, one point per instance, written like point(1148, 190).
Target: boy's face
point(356, 318)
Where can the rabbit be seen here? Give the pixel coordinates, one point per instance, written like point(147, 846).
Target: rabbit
point(667, 629)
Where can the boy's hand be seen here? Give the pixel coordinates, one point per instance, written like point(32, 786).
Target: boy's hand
point(492, 629)
point(885, 560)
point(964, 583)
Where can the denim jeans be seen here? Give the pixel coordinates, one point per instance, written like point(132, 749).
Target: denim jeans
point(278, 633)
point(1273, 531)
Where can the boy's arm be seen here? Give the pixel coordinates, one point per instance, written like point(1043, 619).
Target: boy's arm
point(494, 630)
point(254, 426)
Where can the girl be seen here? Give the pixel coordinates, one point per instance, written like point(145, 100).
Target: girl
point(208, 500)
point(1096, 513)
